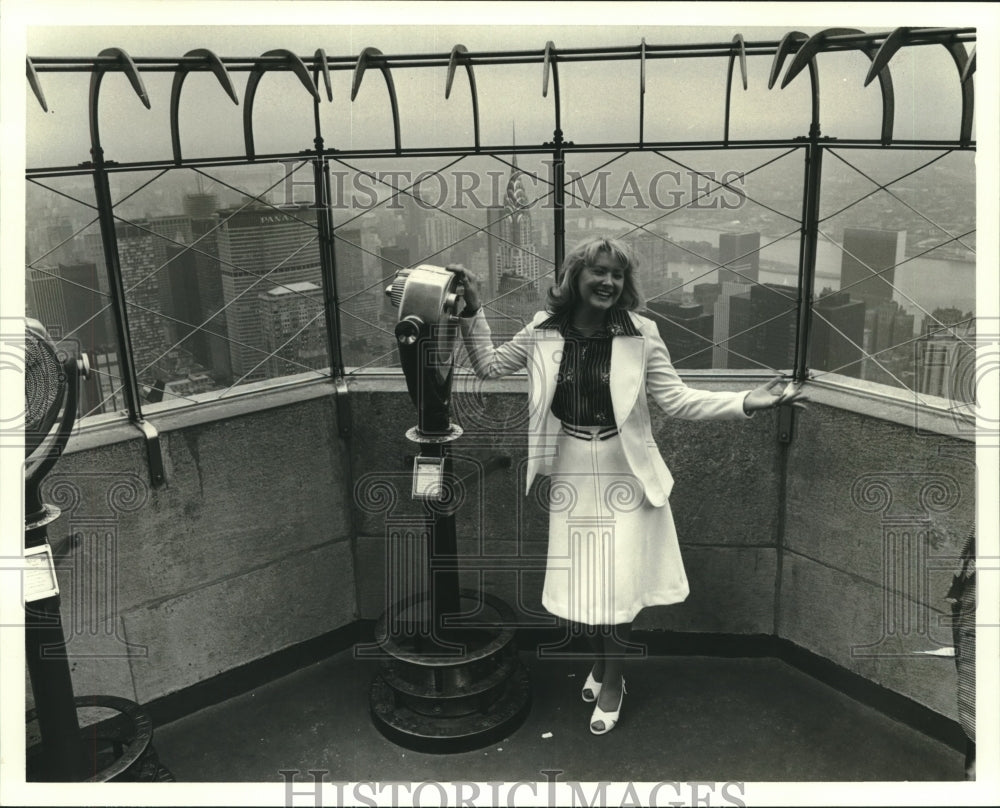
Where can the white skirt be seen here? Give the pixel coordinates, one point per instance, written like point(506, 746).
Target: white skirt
point(610, 552)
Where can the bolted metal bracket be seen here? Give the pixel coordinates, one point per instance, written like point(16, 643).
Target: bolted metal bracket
point(154, 454)
point(342, 399)
point(786, 423)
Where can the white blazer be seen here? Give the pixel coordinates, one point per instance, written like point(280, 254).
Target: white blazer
point(639, 365)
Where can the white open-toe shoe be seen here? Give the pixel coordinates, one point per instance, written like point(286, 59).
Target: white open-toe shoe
point(591, 688)
point(607, 719)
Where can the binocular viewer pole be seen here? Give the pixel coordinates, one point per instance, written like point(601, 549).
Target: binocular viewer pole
point(456, 682)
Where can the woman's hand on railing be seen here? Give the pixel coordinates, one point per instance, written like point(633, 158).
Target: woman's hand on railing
point(768, 397)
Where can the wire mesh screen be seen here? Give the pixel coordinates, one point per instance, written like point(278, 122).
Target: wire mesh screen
point(199, 273)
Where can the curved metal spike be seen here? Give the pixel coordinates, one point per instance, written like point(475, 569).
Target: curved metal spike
point(95, 92)
point(812, 46)
point(457, 54)
point(360, 68)
point(739, 42)
point(963, 60)
point(322, 66)
point(359, 72)
point(546, 67)
point(36, 86)
point(886, 51)
point(218, 68)
point(789, 43)
point(131, 71)
point(298, 68)
point(819, 42)
point(256, 74)
point(970, 66)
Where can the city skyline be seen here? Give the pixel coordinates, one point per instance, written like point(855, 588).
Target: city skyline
point(168, 247)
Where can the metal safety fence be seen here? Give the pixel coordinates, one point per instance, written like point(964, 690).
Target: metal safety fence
point(763, 246)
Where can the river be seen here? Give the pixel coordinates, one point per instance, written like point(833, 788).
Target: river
point(921, 284)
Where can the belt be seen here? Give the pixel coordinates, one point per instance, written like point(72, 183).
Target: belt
point(590, 432)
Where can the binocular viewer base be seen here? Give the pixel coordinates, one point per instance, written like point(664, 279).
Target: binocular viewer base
point(117, 749)
point(415, 434)
point(458, 687)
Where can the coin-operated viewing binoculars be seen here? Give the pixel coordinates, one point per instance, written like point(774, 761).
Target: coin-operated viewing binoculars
point(429, 299)
point(451, 679)
point(114, 749)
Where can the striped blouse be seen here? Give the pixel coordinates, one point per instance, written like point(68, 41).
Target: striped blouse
point(583, 386)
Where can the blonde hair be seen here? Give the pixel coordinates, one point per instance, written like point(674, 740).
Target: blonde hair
point(565, 295)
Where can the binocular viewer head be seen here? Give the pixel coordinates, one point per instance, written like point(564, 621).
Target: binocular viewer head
point(429, 299)
point(426, 296)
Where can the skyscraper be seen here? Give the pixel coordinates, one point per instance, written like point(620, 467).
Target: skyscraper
point(762, 327)
point(43, 295)
point(516, 239)
point(739, 253)
point(137, 255)
point(260, 248)
point(686, 330)
point(867, 268)
point(293, 327)
point(721, 324)
point(360, 299)
point(212, 347)
point(837, 337)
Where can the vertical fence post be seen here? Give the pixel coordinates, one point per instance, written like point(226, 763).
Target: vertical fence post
point(328, 261)
point(559, 202)
point(109, 241)
point(807, 251)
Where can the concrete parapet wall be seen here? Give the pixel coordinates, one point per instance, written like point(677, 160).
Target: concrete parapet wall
point(244, 551)
point(272, 530)
point(876, 513)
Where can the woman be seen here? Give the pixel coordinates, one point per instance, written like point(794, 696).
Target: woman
point(591, 362)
